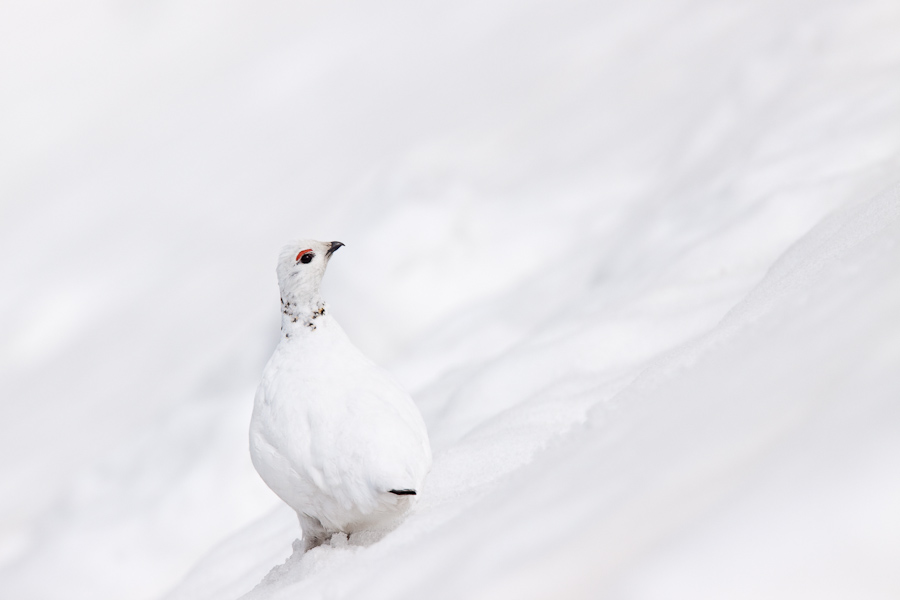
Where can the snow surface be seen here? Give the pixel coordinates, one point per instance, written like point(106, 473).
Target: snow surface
point(637, 262)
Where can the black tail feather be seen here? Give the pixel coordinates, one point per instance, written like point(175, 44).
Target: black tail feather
point(404, 492)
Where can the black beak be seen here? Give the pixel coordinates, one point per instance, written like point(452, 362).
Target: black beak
point(334, 246)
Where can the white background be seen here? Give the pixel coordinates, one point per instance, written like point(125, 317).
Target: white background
point(637, 263)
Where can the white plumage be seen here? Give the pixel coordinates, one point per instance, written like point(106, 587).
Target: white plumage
point(332, 434)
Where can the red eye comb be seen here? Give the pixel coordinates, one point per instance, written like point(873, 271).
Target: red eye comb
point(302, 252)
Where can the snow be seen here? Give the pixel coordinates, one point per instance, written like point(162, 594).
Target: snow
point(637, 263)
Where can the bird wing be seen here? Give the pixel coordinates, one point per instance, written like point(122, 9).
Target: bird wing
point(370, 449)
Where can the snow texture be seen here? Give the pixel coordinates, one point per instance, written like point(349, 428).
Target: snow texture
point(637, 263)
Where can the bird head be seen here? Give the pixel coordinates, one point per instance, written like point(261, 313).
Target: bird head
point(301, 267)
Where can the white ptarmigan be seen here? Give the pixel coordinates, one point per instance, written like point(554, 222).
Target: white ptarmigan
point(332, 434)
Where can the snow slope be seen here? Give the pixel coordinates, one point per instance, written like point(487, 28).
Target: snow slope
point(636, 262)
point(718, 472)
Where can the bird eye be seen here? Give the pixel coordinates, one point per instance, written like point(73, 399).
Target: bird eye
point(305, 256)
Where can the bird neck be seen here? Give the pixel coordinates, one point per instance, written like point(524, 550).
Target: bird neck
point(298, 316)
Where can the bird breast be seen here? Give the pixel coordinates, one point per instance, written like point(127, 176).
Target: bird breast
point(330, 426)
